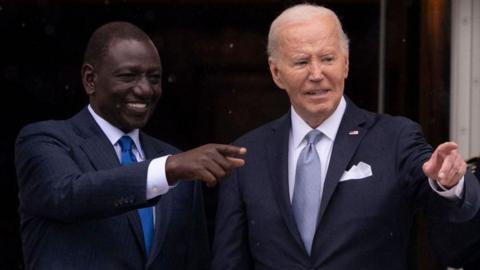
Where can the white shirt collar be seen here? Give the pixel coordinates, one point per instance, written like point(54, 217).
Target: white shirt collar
point(329, 127)
point(113, 133)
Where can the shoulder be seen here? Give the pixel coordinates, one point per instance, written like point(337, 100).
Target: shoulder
point(383, 122)
point(389, 131)
point(50, 128)
point(397, 124)
point(374, 120)
point(261, 133)
point(82, 122)
point(355, 115)
point(39, 138)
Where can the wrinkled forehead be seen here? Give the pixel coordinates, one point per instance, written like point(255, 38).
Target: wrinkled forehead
point(317, 30)
point(324, 22)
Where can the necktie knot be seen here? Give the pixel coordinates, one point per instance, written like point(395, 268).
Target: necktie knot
point(125, 143)
point(127, 155)
point(313, 136)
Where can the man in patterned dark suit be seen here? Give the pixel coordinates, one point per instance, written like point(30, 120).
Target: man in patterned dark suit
point(79, 199)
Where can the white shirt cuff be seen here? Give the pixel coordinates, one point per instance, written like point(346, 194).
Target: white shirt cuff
point(455, 192)
point(156, 178)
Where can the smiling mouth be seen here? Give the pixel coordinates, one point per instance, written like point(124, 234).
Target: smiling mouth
point(317, 92)
point(137, 107)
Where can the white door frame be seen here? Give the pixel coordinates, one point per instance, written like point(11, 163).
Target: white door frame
point(465, 76)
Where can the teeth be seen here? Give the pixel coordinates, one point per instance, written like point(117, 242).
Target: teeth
point(137, 105)
point(316, 92)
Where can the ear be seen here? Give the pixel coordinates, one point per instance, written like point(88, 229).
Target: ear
point(347, 62)
point(277, 78)
point(88, 79)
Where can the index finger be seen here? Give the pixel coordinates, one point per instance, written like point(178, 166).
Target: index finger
point(434, 164)
point(445, 148)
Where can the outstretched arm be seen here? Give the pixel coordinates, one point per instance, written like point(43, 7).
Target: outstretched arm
point(207, 163)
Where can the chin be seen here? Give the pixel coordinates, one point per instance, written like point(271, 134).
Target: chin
point(139, 125)
point(131, 125)
point(321, 109)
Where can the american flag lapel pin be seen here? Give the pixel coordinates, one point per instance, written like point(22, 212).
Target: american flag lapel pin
point(353, 132)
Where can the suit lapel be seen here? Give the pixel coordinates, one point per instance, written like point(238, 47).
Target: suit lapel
point(102, 157)
point(136, 226)
point(95, 144)
point(162, 219)
point(349, 135)
point(277, 160)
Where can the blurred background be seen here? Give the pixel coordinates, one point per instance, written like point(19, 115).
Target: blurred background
point(217, 86)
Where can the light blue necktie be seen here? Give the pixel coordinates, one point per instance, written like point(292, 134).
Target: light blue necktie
point(146, 214)
point(307, 190)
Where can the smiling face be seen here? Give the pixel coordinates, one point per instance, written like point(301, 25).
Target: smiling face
point(311, 65)
point(125, 86)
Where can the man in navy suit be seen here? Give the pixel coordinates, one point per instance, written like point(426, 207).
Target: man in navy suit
point(368, 173)
point(80, 185)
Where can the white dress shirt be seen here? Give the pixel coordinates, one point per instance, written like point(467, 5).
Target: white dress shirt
point(329, 129)
point(324, 147)
point(156, 177)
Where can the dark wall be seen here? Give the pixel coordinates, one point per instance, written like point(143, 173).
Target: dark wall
point(216, 79)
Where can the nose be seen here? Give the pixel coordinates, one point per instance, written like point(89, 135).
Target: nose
point(315, 71)
point(143, 87)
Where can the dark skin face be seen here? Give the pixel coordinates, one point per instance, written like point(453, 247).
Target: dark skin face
point(125, 86)
point(124, 89)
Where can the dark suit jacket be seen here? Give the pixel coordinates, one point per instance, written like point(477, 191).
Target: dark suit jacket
point(363, 224)
point(77, 203)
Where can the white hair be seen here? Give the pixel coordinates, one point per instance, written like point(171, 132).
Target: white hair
point(302, 13)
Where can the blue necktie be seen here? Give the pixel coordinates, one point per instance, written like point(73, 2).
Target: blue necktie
point(146, 214)
point(307, 190)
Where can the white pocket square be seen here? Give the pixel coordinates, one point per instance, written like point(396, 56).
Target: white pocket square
point(359, 171)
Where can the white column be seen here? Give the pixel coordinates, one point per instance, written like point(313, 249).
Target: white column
point(465, 76)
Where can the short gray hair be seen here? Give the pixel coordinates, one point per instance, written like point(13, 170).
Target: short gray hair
point(303, 12)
